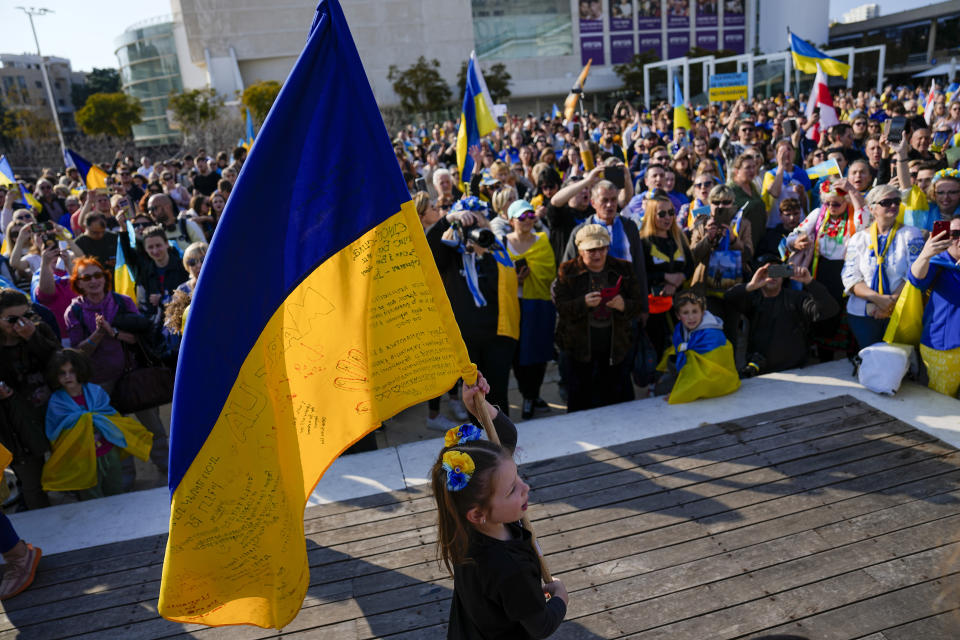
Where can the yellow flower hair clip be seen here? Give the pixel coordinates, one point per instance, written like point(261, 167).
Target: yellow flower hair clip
point(459, 467)
point(459, 435)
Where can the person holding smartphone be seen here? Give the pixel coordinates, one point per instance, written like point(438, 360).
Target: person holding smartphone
point(937, 271)
point(779, 317)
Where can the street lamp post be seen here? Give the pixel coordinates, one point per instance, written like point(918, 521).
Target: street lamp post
point(32, 11)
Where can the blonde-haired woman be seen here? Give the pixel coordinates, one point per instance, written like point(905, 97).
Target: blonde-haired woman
point(501, 201)
point(669, 261)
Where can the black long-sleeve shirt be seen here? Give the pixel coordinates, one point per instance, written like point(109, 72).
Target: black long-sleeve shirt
point(779, 326)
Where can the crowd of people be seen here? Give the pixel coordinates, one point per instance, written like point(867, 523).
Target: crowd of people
point(618, 246)
point(792, 240)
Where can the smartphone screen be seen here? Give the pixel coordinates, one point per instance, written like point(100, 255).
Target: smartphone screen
point(576, 130)
point(780, 271)
point(420, 184)
point(897, 125)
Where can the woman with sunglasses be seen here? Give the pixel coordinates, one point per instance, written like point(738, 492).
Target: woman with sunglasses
point(876, 265)
point(669, 262)
point(536, 268)
point(820, 244)
point(174, 189)
point(937, 271)
point(99, 322)
point(699, 204)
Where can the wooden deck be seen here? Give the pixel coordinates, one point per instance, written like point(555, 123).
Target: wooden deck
point(828, 521)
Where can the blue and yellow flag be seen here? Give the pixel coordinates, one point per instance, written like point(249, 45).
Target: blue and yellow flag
point(9, 180)
point(826, 168)
point(806, 57)
point(348, 326)
point(680, 116)
point(556, 111)
point(476, 118)
point(247, 141)
point(93, 176)
point(124, 277)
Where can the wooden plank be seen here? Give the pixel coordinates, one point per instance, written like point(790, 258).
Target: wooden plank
point(944, 626)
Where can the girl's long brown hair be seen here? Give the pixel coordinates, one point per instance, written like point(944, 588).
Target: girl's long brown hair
point(453, 529)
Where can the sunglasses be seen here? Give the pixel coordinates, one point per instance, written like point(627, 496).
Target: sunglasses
point(722, 203)
point(666, 214)
point(835, 204)
point(87, 277)
point(193, 262)
point(141, 225)
point(889, 203)
point(704, 185)
point(527, 215)
point(14, 319)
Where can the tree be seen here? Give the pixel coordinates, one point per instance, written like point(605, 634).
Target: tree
point(421, 87)
point(24, 123)
point(259, 98)
point(97, 81)
point(497, 78)
point(631, 73)
point(111, 114)
point(193, 108)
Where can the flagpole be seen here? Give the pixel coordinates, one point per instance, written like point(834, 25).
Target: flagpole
point(480, 405)
point(46, 79)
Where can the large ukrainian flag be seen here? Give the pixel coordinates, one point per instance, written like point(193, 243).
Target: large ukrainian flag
point(806, 57)
point(476, 118)
point(93, 176)
point(342, 322)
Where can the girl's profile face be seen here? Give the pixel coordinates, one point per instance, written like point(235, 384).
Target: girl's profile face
point(690, 315)
point(508, 499)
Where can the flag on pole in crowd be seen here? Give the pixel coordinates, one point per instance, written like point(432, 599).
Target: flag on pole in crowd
point(556, 111)
point(570, 104)
point(952, 93)
point(476, 118)
point(807, 58)
point(349, 326)
point(821, 99)
point(8, 179)
point(93, 176)
point(930, 103)
point(124, 278)
point(247, 141)
point(828, 168)
point(680, 116)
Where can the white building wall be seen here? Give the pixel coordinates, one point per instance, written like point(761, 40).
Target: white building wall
point(809, 19)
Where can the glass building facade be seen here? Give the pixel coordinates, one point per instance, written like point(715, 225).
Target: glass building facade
point(150, 72)
point(509, 29)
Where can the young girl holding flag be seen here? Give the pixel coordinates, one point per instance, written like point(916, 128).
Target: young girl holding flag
point(498, 590)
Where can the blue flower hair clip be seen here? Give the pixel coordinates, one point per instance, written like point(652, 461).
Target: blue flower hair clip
point(459, 467)
point(460, 435)
point(473, 204)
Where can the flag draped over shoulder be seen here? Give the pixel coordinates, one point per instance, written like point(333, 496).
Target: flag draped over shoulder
point(476, 118)
point(346, 325)
point(93, 176)
point(680, 116)
point(570, 103)
point(806, 57)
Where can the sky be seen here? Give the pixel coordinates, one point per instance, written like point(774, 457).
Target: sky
point(84, 30)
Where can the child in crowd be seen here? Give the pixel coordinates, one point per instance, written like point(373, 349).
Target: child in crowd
point(89, 438)
point(700, 364)
point(497, 592)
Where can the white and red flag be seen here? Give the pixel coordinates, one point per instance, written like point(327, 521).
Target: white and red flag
point(929, 106)
point(820, 97)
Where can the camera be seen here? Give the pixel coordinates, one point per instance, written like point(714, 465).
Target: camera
point(480, 236)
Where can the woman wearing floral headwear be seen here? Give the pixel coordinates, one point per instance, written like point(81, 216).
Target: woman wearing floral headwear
point(820, 243)
point(943, 201)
